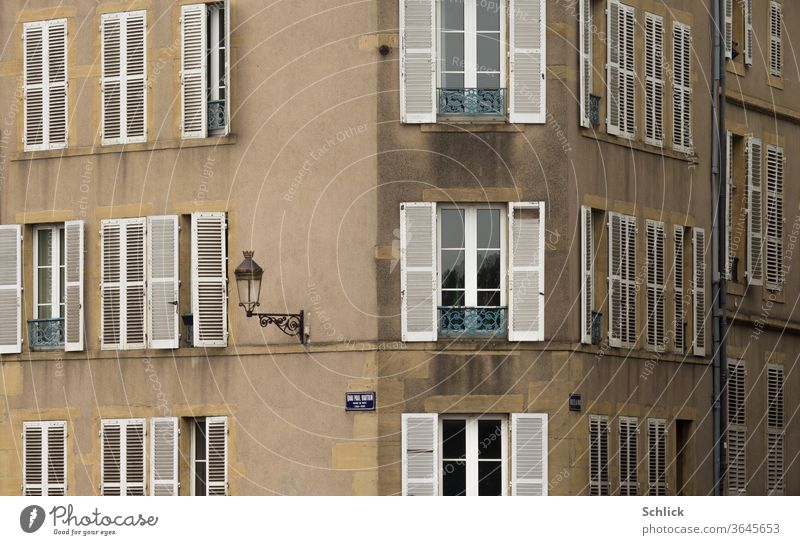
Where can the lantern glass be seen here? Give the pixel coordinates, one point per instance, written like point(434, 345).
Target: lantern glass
point(248, 282)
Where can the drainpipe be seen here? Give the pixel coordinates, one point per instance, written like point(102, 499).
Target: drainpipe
point(719, 239)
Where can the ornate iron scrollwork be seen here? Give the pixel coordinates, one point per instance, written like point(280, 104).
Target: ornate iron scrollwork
point(47, 334)
point(472, 321)
point(291, 324)
point(472, 101)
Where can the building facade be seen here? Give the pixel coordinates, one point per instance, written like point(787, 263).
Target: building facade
point(496, 216)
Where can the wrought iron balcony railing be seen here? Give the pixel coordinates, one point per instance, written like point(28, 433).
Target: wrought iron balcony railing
point(46, 334)
point(472, 102)
point(216, 115)
point(472, 321)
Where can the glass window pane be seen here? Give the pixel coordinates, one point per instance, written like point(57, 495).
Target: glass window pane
point(452, 298)
point(452, 228)
point(488, 15)
point(488, 228)
point(453, 14)
point(453, 52)
point(453, 269)
point(454, 478)
point(490, 479)
point(200, 439)
point(488, 81)
point(490, 439)
point(45, 250)
point(488, 298)
point(45, 312)
point(45, 285)
point(454, 439)
point(488, 52)
point(453, 81)
point(488, 269)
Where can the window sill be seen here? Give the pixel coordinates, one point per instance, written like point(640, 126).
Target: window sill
point(461, 124)
point(775, 82)
point(639, 146)
point(125, 148)
point(735, 67)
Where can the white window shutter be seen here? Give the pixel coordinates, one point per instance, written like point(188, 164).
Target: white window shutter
point(194, 120)
point(748, 31)
point(217, 452)
point(111, 285)
point(586, 26)
point(122, 457)
point(135, 457)
point(774, 232)
point(529, 451)
point(10, 289)
point(164, 438)
point(682, 87)
point(622, 280)
point(73, 301)
point(775, 39)
point(35, 81)
point(112, 75)
point(124, 77)
point(135, 298)
point(729, 29)
point(44, 454)
point(418, 61)
point(420, 453)
point(656, 330)
point(736, 432)
point(57, 114)
point(136, 77)
point(209, 279)
point(680, 332)
point(755, 272)
point(587, 274)
point(526, 227)
point(162, 282)
point(528, 61)
point(418, 279)
point(654, 79)
point(598, 456)
point(775, 430)
point(621, 69)
point(657, 454)
point(729, 207)
point(628, 456)
point(699, 291)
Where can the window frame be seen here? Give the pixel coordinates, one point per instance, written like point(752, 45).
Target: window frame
point(55, 290)
point(472, 459)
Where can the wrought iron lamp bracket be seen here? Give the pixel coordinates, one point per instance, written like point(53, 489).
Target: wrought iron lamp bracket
point(292, 325)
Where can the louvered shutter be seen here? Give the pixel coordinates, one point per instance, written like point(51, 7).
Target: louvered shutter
point(217, 465)
point(418, 271)
point(622, 280)
point(124, 77)
point(656, 454)
point(682, 87)
point(56, 120)
point(699, 291)
point(35, 77)
point(135, 298)
point(112, 70)
point(628, 456)
point(775, 430)
point(135, 77)
point(755, 273)
point(654, 79)
point(775, 39)
point(527, 61)
point(774, 232)
point(209, 279)
point(748, 31)
point(526, 227)
point(728, 29)
point(586, 53)
point(135, 463)
point(737, 430)
point(44, 456)
point(111, 285)
point(122, 457)
point(587, 273)
point(621, 69)
point(680, 320)
point(73, 300)
point(729, 188)
point(598, 456)
point(164, 456)
point(656, 330)
point(10, 289)
point(529, 451)
point(194, 122)
point(418, 61)
point(420, 447)
point(162, 282)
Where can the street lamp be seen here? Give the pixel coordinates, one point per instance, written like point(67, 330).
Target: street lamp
point(248, 284)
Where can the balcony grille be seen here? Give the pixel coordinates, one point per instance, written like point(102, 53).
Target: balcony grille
point(457, 101)
point(46, 334)
point(216, 115)
point(472, 321)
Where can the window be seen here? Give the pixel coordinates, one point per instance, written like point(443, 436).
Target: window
point(587, 60)
point(205, 70)
point(467, 455)
point(164, 437)
point(654, 79)
point(45, 85)
point(465, 41)
point(44, 471)
point(682, 87)
point(699, 291)
point(209, 279)
point(739, 30)
point(775, 39)
point(755, 238)
point(622, 280)
point(122, 457)
point(656, 287)
point(124, 77)
point(775, 430)
point(621, 70)
point(587, 274)
point(209, 456)
point(737, 429)
point(679, 324)
point(628, 456)
point(775, 219)
point(453, 270)
point(48, 269)
point(598, 455)
point(656, 454)
point(11, 289)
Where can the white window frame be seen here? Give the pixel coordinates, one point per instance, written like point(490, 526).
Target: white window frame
point(683, 88)
point(775, 39)
point(654, 80)
point(45, 487)
point(772, 261)
point(603, 487)
point(626, 69)
point(193, 460)
point(471, 432)
point(586, 34)
point(55, 305)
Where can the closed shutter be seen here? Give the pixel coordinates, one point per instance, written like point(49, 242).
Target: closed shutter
point(657, 454)
point(417, 61)
point(164, 437)
point(45, 85)
point(162, 282)
point(774, 234)
point(135, 298)
point(699, 291)
point(122, 457)
point(775, 39)
point(194, 123)
point(418, 271)
point(737, 430)
point(528, 61)
point(622, 280)
point(621, 70)
point(10, 289)
point(628, 457)
point(586, 53)
point(420, 438)
point(729, 189)
point(656, 331)
point(587, 273)
point(680, 320)
point(44, 471)
point(682, 87)
point(654, 79)
point(73, 301)
point(598, 455)
point(111, 284)
point(529, 451)
point(748, 31)
point(217, 466)
point(755, 273)
point(209, 279)
point(526, 227)
point(728, 29)
point(56, 120)
point(775, 430)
